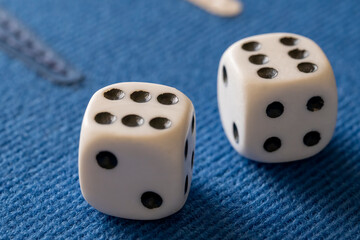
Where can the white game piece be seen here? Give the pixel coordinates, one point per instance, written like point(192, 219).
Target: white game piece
point(277, 97)
point(136, 150)
point(223, 8)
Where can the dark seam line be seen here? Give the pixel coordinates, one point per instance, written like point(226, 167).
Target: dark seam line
point(17, 41)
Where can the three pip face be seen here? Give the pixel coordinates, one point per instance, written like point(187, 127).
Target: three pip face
point(277, 101)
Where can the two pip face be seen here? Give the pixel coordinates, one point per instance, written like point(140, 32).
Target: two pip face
point(277, 97)
point(277, 101)
point(136, 150)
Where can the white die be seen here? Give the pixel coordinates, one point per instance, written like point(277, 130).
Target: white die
point(136, 150)
point(277, 97)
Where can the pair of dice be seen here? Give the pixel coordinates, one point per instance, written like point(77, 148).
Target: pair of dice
point(277, 100)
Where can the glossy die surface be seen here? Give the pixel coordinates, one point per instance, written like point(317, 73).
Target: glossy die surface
point(277, 97)
point(136, 150)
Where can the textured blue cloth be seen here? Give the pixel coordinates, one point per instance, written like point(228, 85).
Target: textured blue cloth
point(177, 44)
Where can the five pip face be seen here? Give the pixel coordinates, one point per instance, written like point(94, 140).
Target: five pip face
point(277, 101)
point(136, 151)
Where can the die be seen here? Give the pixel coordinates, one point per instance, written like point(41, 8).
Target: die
point(277, 97)
point(136, 150)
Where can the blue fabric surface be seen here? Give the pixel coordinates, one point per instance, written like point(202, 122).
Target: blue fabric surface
point(177, 44)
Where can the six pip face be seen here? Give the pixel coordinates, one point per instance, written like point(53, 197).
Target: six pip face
point(277, 101)
point(277, 97)
point(137, 150)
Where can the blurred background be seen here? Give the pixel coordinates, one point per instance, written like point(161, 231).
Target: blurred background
point(174, 43)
